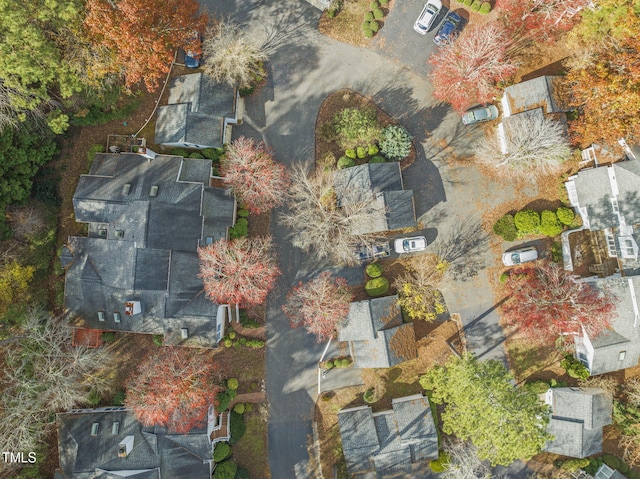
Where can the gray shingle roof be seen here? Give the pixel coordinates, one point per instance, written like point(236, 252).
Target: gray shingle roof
point(370, 328)
point(388, 442)
point(155, 454)
point(195, 111)
point(538, 92)
point(577, 418)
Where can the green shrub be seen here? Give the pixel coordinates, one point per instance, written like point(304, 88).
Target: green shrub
point(378, 14)
point(225, 470)
point(504, 277)
point(365, 25)
point(350, 153)
point(369, 396)
point(242, 213)
point(94, 398)
point(353, 127)
point(611, 461)
point(119, 397)
point(384, 2)
point(574, 368)
point(556, 252)
point(158, 339)
point(239, 408)
point(375, 26)
point(345, 162)
point(331, 12)
point(346, 362)
point(373, 270)
point(396, 142)
point(93, 151)
point(506, 228)
point(377, 159)
point(368, 17)
point(475, 6)
point(242, 341)
point(246, 321)
point(329, 364)
point(232, 334)
point(196, 155)
point(232, 383)
point(377, 286)
point(572, 465)
point(242, 473)
point(108, 337)
point(537, 387)
point(374, 5)
point(467, 3)
point(212, 153)
point(624, 467)
point(485, 8)
point(221, 451)
point(255, 343)
point(227, 342)
point(440, 464)
point(565, 215)
point(549, 224)
point(237, 427)
point(361, 151)
point(224, 398)
point(368, 33)
point(240, 229)
point(527, 221)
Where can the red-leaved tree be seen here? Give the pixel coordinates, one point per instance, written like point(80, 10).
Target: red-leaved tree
point(172, 387)
point(319, 305)
point(466, 71)
point(240, 271)
point(143, 34)
point(546, 302)
point(253, 176)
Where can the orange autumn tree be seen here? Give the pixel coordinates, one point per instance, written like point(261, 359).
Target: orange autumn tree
point(143, 34)
point(173, 387)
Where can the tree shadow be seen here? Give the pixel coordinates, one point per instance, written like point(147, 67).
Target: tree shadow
point(464, 247)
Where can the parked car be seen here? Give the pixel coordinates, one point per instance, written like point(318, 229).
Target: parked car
point(450, 29)
point(519, 256)
point(427, 16)
point(409, 245)
point(479, 114)
point(191, 58)
point(379, 250)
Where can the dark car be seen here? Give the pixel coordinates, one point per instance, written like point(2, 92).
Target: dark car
point(450, 29)
point(480, 113)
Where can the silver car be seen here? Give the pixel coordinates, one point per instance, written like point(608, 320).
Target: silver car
point(480, 113)
point(519, 256)
point(427, 16)
point(409, 245)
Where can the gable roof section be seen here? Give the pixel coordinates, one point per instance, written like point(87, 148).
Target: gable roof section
point(534, 93)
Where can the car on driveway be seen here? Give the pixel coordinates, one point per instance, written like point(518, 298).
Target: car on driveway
point(479, 114)
point(450, 29)
point(427, 16)
point(519, 256)
point(409, 245)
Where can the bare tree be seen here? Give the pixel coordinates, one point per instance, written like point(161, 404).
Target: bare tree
point(531, 145)
point(44, 374)
point(26, 221)
point(320, 224)
point(17, 105)
point(464, 462)
point(229, 56)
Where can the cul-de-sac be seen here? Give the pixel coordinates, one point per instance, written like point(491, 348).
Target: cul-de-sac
point(320, 239)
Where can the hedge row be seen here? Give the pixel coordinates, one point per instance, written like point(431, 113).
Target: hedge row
point(526, 222)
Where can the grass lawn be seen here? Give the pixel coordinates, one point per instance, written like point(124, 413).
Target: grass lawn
point(251, 450)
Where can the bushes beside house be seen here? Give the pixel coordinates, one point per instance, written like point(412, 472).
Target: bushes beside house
point(528, 222)
point(377, 286)
point(574, 368)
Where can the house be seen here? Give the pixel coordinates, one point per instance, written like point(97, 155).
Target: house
point(137, 268)
point(376, 334)
point(395, 443)
point(605, 472)
point(532, 99)
point(619, 347)
point(391, 207)
point(577, 418)
point(199, 113)
point(110, 443)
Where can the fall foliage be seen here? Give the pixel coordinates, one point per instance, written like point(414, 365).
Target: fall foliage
point(319, 305)
point(255, 179)
point(240, 271)
point(466, 71)
point(546, 302)
point(418, 294)
point(173, 387)
point(143, 34)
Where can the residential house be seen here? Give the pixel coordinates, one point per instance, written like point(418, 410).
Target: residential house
point(395, 443)
point(577, 418)
point(137, 268)
point(391, 207)
point(532, 99)
point(199, 113)
point(376, 334)
point(110, 443)
point(605, 472)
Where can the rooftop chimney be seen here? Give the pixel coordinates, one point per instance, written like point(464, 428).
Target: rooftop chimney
point(132, 307)
point(125, 447)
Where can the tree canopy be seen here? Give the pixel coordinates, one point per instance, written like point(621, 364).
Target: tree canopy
point(482, 405)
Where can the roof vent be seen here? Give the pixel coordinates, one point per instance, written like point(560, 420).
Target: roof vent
point(154, 191)
point(115, 427)
point(209, 240)
point(100, 315)
point(126, 189)
point(116, 317)
point(102, 232)
point(94, 429)
point(184, 332)
point(119, 234)
point(125, 447)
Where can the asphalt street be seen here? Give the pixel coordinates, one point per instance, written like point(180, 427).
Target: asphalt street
point(304, 67)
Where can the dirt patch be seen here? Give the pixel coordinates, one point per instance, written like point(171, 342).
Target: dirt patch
point(346, 26)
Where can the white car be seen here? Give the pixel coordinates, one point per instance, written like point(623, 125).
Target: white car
point(409, 245)
point(427, 16)
point(519, 256)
